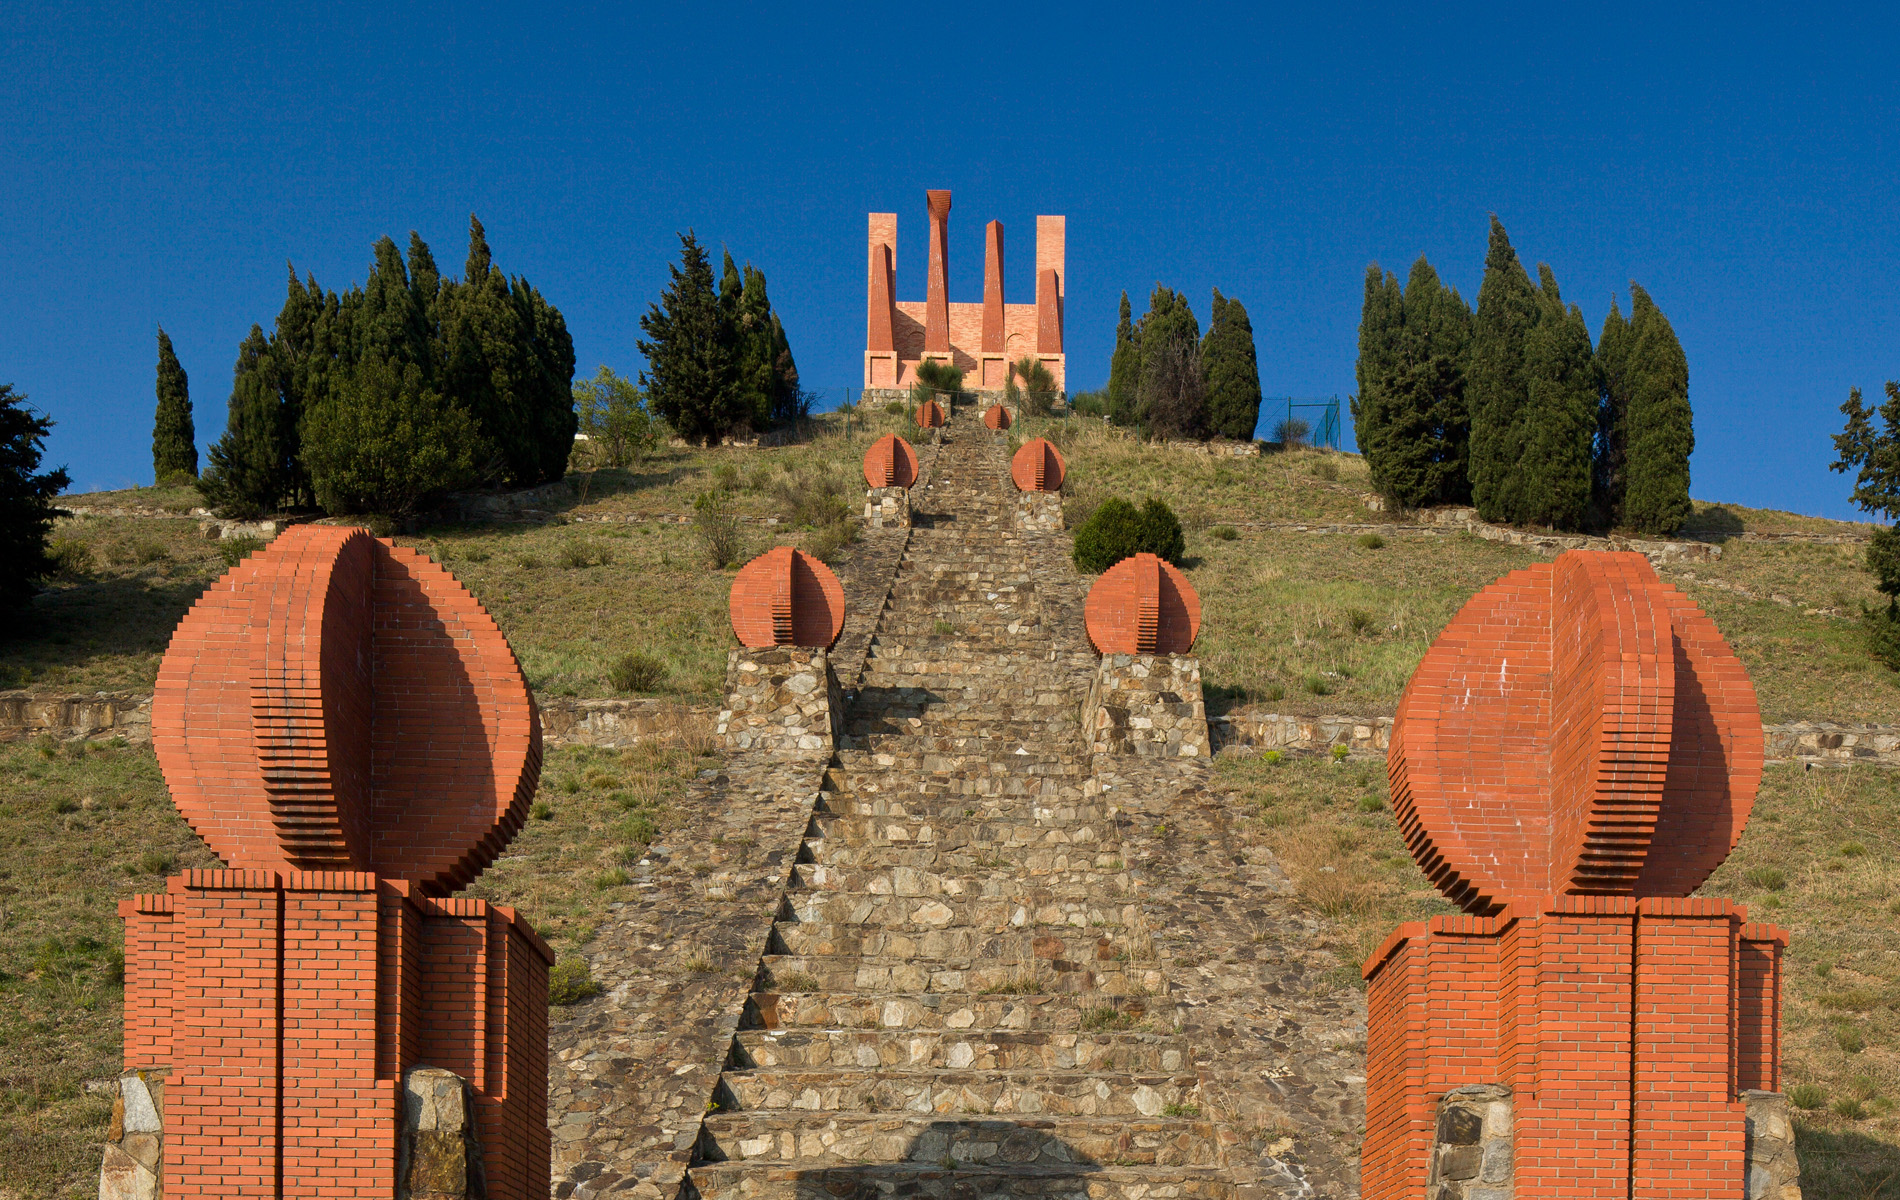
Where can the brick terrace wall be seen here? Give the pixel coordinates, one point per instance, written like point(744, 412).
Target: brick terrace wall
point(261, 993)
point(1606, 1016)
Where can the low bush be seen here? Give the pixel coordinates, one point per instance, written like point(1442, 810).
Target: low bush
point(637, 672)
point(1371, 541)
point(570, 982)
point(717, 527)
point(1769, 879)
point(1807, 1096)
point(1119, 530)
point(1223, 533)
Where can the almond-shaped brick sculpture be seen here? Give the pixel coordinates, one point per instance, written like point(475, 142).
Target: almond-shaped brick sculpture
point(785, 597)
point(1142, 605)
point(890, 462)
point(929, 415)
point(1038, 467)
point(347, 729)
point(1575, 754)
point(996, 417)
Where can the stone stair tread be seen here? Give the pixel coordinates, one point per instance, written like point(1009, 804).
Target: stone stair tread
point(888, 1137)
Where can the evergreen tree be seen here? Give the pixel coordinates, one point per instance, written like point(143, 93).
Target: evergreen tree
point(26, 499)
point(174, 438)
point(692, 375)
point(1498, 388)
point(1231, 371)
point(1124, 369)
point(790, 401)
point(1410, 414)
point(1613, 347)
point(1876, 454)
point(1170, 400)
point(1381, 324)
point(1661, 429)
point(249, 465)
point(385, 443)
point(1551, 485)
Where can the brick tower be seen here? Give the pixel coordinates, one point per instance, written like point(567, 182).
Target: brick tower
point(1578, 750)
point(346, 728)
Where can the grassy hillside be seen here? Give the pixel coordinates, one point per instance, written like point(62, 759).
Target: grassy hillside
point(1298, 621)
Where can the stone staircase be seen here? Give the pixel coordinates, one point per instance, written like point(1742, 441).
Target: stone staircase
point(960, 995)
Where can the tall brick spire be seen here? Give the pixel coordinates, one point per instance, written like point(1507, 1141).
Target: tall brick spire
point(993, 288)
point(937, 292)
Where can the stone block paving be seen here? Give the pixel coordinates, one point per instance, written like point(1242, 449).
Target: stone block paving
point(965, 957)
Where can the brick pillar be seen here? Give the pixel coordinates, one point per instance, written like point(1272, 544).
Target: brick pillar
point(880, 335)
point(937, 289)
point(1052, 277)
point(1758, 999)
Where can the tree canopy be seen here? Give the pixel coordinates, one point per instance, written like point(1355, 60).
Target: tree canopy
point(174, 437)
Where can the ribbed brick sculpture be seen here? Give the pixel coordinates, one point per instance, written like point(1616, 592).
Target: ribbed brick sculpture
point(1578, 750)
point(785, 597)
point(929, 415)
point(347, 729)
point(890, 462)
point(1038, 467)
point(996, 417)
point(1142, 605)
point(1579, 728)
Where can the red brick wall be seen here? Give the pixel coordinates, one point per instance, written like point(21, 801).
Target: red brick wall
point(1625, 1028)
point(295, 1004)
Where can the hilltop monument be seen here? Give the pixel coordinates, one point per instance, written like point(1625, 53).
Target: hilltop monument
point(981, 339)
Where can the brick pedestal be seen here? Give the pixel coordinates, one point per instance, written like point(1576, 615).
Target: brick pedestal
point(1626, 1029)
point(288, 1006)
point(1146, 704)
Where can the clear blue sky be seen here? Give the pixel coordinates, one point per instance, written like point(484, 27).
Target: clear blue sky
point(161, 165)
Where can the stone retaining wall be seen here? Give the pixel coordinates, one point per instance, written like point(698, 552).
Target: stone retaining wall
point(1148, 705)
point(782, 700)
point(97, 715)
point(1472, 1146)
point(1774, 1173)
point(1039, 511)
point(887, 508)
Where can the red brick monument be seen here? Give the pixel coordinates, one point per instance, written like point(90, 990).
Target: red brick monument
point(981, 339)
point(346, 728)
point(1578, 750)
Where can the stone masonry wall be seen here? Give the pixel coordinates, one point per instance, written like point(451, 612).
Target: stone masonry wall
point(782, 700)
point(134, 1165)
point(887, 508)
point(1471, 1148)
point(1773, 1171)
point(1039, 511)
point(1146, 704)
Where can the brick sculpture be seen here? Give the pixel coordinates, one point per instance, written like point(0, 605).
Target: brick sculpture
point(929, 415)
point(996, 417)
point(1038, 467)
point(981, 339)
point(347, 729)
point(1142, 605)
point(1578, 750)
point(890, 462)
point(785, 597)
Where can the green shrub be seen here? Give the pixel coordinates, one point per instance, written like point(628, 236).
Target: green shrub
point(235, 550)
point(1316, 684)
point(1852, 850)
point(1119, 530)
point(1807, 1096)
point(895, 409)
point(578, 554)
point(1273, 691)
point(1769, 879)
point(542, 811)
point(1371, 541)
point(637, 672)
point(717, 527)
point(607, 880)
point(70, 557)
point(1850, 1107)
point(1324, 468)
point(1359, 620)
point(1224, 533)
point(570, 982)
point(1371, 804)
point(1849, 1038)
point(1340, 753)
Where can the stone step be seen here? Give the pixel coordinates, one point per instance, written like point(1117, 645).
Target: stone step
point(1006, 749)
point(874, 945)
point(1111, 912)
point(996, 834)
point(1037, 800)
point(1105, 877)
point(1046, 860)
point(968, 1014)
point(919, 976)
point(795, 1139)
point(984, 1093)
point(986, 1050)
point(961, 1181)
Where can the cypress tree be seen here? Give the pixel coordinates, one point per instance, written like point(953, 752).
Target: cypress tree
point(1170, 400)
point(174, 438)
point(249, 464)
point(1411, 418)
point(1124, 369)
point(1231, 371)
point(791, 403)
point(692, 375)
point(26, 499)
point(1381, 322)
point(1497, 387)
point(749, 312)
point(1551, 485)
point(1661, 430)
point(384, 443)
point(1612, 415)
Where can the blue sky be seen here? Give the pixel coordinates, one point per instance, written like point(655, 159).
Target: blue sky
point(162, 165)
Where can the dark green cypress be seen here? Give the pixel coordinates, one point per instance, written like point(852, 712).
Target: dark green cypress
point(174, 437)
point(27, 511)
point(1557, 426)
point(248, 465)
point(1124, 369)
point(692, 376)
point(1170, 401)
point(790, 402)
point(1613, 346)
point(1381, 323)
point(1497, 387)
point(1661, 427)
point(1231, 371)
point(1410, 416)
point(749, 313)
